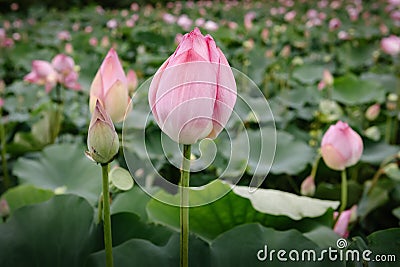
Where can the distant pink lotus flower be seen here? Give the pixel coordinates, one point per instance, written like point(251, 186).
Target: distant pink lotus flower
point(93, 41)
point(211, 26)
point(391, 45)
point(42, 73)
point(290, 15)
point(185, 22)
point(110, 87)
point(169, 18)
point(1, 102)
point(67, 76)
point(193, 93)
point(112, 24)
point(341, 146)
point(200, 22)
point(64, 36)
point(334, 24)
point(248, 19)
point(343, 35)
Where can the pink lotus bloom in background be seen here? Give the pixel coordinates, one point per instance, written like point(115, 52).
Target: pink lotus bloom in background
point(67, 76)
point(308, 186)
point(334, 24)
point(193, 93)
point(43, 73)
point(211, 26)
point(345, 218)
point(391, 45)
point(185, 22)
point(132, 80)
point(341, 146)
point(248, 20)
point(110, 87)
point(64, 36)
point(290, 16)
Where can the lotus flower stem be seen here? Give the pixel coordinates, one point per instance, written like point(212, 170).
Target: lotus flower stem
point(6, 178)
point(344, 192)
point(184, 207)
point(107, 218)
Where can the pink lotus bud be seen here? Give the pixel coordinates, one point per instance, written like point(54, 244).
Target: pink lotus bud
point(132, 81)
point(184, 21)
point(169, 18)
point(308, 186)
point(345, 218)
point(373, 112)
point(327, 77)
point(341, 146)
point(42, 73)
point(1, 102)
point(193, 93)
point(69, 49)
point(110, 87)
point(4, 208)
point(248, 20)
point(93, 41)
point(391, 45)
point(102, 140)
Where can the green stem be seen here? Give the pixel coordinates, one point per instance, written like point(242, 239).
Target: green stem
point(100, 209)
point(6, 181)
point(388, 131)
point(344, 192)
point(184, 207)
point(315, 166)
point(107, 218)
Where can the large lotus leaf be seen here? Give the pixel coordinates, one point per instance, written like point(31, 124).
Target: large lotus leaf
point(140, 252)
point(308, 73)
point(23, 195)
point(126, 226)
point(385, 244)
point(63, 167)
point(59, 232)
point(375, 153)
point(277, 203)
point(350, 90)
point(252, 245)
point(208, 221)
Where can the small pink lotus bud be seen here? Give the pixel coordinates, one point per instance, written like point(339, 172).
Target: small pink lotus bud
point(4, 208)
point(342, 223)
point(334, 24)
point(327, 77)
point(110, 87)
point(308, 186)
point(102, 140)
point(373, 112)
point(341, 146)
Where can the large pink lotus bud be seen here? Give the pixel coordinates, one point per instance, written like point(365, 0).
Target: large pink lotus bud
point(193, 93)
point(110, 87)
point(341, 146)
point(391, 45)
point(42, 73)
